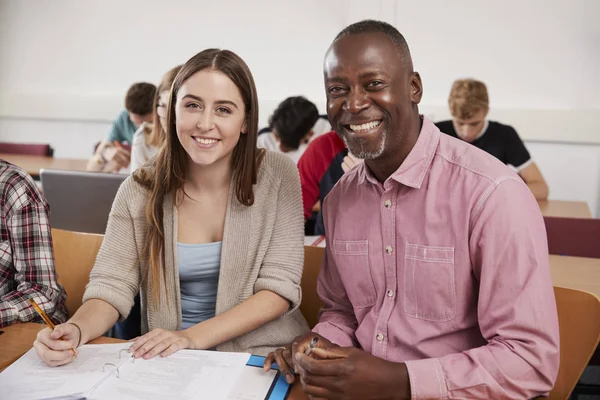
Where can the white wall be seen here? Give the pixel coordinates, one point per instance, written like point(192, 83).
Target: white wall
point(66, 64)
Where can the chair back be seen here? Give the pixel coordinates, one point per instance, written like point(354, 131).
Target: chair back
point(579, 325)
point(28, 149)
point(74, 254)
point(311, 302)
point(576, 237)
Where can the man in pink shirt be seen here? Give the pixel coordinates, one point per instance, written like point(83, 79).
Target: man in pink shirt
point(436, 281)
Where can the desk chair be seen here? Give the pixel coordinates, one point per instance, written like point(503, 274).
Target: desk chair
point(576, 237)
point(27, 149)
point(74, 254)
point(579, 325)
point(311, 303)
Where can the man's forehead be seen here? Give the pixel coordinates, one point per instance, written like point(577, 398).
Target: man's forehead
point(362, 51)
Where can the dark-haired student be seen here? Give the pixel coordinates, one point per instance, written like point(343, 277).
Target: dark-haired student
point(210, 233)
point(435, 282)
point(291, 126)
point(114, 153)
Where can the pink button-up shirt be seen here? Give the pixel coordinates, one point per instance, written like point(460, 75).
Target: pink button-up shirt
point(444, 266)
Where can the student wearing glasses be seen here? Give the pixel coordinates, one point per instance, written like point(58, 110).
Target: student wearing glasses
point(148, 138)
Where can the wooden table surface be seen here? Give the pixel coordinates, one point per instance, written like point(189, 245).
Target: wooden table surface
point(33, 164)
point(570, 272)
point(576, 273)
point(17, 339)
point(566, 209)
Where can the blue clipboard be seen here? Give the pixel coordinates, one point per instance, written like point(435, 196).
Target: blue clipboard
point(280, 388)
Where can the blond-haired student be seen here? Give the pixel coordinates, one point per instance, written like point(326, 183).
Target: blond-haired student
point(210, 233)
point(149, 137)
point(469, 106)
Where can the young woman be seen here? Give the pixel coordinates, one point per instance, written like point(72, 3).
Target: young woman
point(148, 138)
point(211, 232)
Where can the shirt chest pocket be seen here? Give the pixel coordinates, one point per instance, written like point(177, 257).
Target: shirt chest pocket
point(352, 261)
point(429, 289)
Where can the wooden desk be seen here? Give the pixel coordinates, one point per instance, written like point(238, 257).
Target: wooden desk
point(576, 273)
point(17, 339)
point(566, 209)
point(33, 164)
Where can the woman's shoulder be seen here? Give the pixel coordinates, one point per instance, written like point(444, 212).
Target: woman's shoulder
point(276, 170)
point(133, 192)
point(277, 165)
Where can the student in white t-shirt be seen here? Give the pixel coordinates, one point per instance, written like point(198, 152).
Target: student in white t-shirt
point(291, 127)
point(148, 138)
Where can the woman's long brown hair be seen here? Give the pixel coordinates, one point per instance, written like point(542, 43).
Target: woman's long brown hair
point(166, 175)
point(156, 134)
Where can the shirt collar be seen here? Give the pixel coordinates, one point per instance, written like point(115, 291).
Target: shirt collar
point(416, 165)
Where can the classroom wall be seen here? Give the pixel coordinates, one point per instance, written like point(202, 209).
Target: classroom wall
point(66, 64)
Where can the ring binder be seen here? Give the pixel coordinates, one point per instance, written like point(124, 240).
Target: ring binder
point(124, 350)
point(117, 368)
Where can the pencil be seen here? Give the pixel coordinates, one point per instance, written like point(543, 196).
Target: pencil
point(47, 320)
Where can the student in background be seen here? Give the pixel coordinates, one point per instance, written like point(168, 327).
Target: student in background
point(149, 137)
point(469, 106)
point(291, 127)
point(218, 257)
point(320, 168)
point(435, 280)
point(26, 255)
point(113, 154)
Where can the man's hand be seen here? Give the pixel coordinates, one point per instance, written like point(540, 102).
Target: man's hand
point(117, 156)
point(283, 356)
point(349, 373)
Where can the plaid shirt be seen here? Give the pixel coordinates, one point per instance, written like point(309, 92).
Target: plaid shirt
point(26, 254)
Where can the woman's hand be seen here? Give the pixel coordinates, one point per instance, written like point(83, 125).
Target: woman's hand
point(54, 346)
point(160, 342)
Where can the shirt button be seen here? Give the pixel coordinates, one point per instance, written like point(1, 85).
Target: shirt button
point(387, 204)
point(389, 249)
point(390, 293)
point(379, 337)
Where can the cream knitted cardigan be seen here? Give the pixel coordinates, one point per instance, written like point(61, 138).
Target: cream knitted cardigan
point(263, 249)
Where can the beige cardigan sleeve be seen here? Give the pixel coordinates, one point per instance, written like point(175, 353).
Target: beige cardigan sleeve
point(115, 277)
point(281, 270)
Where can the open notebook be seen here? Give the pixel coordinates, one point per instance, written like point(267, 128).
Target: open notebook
point(109, 372)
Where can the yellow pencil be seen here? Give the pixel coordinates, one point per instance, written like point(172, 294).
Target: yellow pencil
point(47, 320)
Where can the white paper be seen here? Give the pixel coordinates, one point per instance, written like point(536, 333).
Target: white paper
point(30, 378)
point(253, 384)
point(309, 240)
point(187, 374)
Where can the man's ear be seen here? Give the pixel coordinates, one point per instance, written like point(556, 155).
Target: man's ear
point(416, 88)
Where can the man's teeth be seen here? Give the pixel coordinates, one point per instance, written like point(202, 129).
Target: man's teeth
point(365, 127)
point(205, 141)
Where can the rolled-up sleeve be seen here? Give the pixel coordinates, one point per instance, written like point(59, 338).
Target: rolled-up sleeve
point(282, 266)
point(516, 308)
